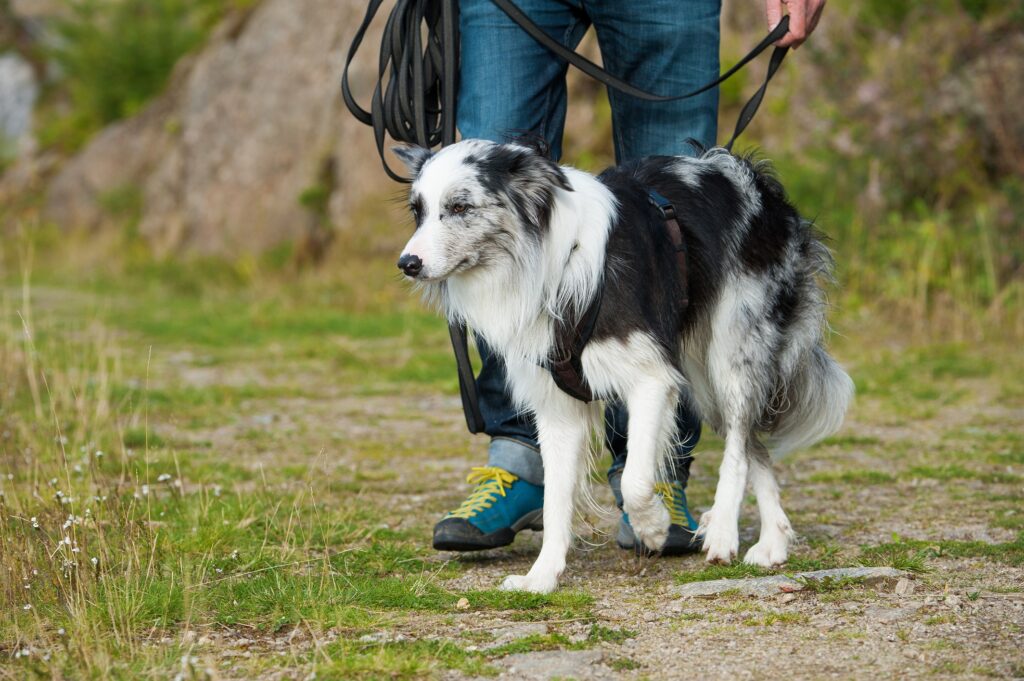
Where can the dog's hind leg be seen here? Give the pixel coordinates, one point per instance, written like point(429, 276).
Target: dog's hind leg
point(772, 548)
point(720, 525)
point(562, 426)
point(652, 406)
point(738, 357)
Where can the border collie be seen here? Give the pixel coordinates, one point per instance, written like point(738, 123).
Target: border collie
point(511, 244)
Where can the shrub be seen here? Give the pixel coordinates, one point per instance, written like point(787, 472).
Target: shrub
point(113, 56)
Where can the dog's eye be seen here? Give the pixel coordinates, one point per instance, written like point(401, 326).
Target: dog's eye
point(459, 208)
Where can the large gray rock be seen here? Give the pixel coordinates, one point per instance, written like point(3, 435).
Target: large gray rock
point(18, 93)
point(776, 584)
point(244, 128)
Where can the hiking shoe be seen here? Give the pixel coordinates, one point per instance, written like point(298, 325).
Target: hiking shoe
point(499, 507)
point(681, 533)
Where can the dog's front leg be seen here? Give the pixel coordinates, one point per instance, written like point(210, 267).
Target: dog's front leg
point(562, 428)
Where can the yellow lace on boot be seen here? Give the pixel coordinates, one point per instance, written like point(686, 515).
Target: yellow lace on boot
point(674, 504)
point(490, 482)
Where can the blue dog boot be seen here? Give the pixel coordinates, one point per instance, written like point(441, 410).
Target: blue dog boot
point(681, 533)
point(500, 506)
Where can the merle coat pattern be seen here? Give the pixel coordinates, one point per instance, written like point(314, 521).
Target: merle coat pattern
point(509, 243)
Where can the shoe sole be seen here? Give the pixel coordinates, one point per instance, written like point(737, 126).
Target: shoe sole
point(534, 520)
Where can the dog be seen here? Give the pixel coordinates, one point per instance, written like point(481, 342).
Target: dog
point(512, 244)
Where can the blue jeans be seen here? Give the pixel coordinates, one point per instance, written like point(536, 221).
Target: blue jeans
point(510, 85)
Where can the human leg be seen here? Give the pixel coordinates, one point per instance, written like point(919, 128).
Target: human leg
point(665, 47)
point(509, 84)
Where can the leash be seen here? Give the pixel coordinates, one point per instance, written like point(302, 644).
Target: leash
point(414, 95)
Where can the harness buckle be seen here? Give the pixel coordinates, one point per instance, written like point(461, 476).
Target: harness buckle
point(664, 206)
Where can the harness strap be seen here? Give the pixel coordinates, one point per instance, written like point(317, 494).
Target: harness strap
point(566, 361)
point(675, 233)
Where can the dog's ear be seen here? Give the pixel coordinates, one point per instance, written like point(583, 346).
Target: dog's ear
point(529, 179)
point(413, 157)
point(531, 169)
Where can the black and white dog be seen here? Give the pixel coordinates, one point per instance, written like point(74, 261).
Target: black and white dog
point(511, 244)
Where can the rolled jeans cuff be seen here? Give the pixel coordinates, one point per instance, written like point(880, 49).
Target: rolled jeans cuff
point(517, 458)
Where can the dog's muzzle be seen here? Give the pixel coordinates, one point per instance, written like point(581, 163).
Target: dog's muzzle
point(411, 265)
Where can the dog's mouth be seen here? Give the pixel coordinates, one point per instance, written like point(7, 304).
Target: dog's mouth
point(463, 265)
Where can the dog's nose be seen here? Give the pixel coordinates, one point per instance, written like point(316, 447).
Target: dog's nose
point(410, 264)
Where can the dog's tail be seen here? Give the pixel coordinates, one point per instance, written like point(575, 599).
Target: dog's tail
point(818, 396)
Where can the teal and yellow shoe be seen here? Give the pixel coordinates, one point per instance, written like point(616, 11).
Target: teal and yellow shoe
point(498, 508)
point(682, 532)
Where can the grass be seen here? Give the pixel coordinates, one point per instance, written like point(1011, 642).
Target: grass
point(174, 460)
point(117, 532)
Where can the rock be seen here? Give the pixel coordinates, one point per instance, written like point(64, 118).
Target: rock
point(18, 93)
point(548, 664)
point(244, 127)
point(953, 601)
point(904, 587)
point(514, 632)
point(382, 637)
point(774, 584)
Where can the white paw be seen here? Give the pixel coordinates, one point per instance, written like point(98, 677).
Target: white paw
point(768, 552)
point(721, 539)
point(530, 583)
point(651, 524)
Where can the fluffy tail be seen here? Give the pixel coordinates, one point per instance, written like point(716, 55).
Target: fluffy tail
point(819, 395)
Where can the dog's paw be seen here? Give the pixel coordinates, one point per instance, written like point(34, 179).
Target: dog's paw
point(529, 583)
point(767, 553)
point(721, 540)
point(650, 522)
point(651, 525)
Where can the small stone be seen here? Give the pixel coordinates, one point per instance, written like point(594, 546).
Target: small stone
point(953, 601)
point(463, 604)
point(904, 587)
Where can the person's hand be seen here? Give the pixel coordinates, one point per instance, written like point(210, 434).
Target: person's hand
point(803, 18)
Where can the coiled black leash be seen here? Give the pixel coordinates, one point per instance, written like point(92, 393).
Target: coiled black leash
point(413, 100)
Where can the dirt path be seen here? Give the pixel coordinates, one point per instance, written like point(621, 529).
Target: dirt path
point(938, 493)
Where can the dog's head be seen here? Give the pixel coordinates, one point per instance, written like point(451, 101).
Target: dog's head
point(476, 204)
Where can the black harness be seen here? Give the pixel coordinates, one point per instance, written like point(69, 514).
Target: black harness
point(571, 336)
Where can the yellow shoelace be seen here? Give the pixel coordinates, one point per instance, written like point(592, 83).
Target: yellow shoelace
point(490, 482)
point(674, 504)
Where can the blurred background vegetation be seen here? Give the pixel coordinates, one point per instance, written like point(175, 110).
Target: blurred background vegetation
point(897, 127)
